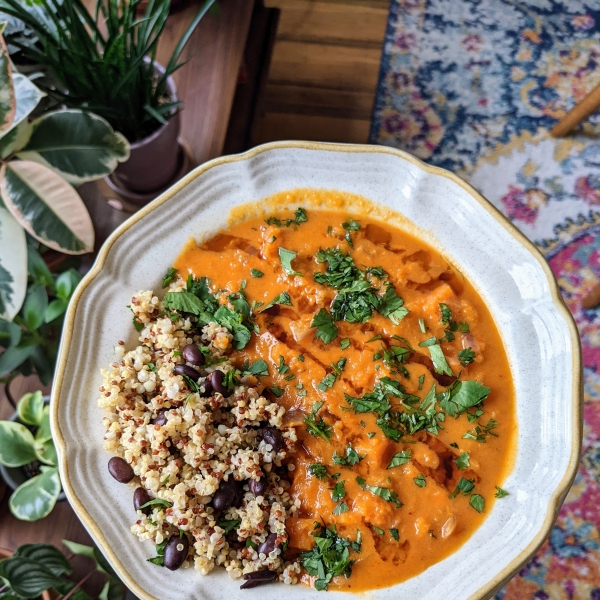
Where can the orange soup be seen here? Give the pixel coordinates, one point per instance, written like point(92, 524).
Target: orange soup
point(393, 372)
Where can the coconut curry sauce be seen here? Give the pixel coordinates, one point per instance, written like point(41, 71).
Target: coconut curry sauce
point(393, 372)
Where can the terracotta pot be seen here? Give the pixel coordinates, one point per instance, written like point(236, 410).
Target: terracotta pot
point(4, 553)
point(155, 160)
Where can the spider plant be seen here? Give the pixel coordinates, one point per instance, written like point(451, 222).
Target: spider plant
point(103, 60)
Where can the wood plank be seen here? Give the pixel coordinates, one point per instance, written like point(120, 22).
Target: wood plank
point(285, 4)
point(326, 23)
point(311, 100)
point(282, 126)
point(335, 67)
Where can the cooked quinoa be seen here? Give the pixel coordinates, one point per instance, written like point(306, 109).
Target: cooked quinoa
point(198, 443)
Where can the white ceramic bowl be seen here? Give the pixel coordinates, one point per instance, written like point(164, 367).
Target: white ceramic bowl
point(510, 274)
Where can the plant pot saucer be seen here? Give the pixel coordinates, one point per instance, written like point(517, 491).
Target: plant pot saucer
point(127, 200)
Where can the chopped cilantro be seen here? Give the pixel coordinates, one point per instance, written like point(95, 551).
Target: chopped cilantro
point(338, 491)
point(341, 271)
point(169, 277)
point(462, 462)
point(421, 380)
point(300, 217)
point(317, 427)
point(420, 480)
point(286, 257)
point(277, 391)
point(318, 470)
point(371, 434)
point(259, 367)
point(283, 368)
point(446, 314)
point(328, 381)
point(344, 343)
point(392, 306)
point(341, 508)
point(463, 327)
point(156, 502)
point(251, 544)
point(375, 338)
point(466, 356)
point(439, 360)
point(477, 502)
point(463, 395)
point(191, 384)
point(384, 493)
point(377, 530)
point(500, 493)
point(283, 299)
point(228, 525)
point(429, 342)
point(329, 557)
point(465, 486)
point(256, 273)
point(422, 326)
point(352, 457)
point(326, 329)
point(394, 533)
point(351, 225)
point(301, 357)
point(400, 458)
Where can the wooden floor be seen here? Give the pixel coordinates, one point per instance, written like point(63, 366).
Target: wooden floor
point(323, 71)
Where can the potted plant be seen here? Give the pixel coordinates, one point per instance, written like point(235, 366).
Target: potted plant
point(112, 71)
point(28, 460)
point(40, 210)
point(34, 570)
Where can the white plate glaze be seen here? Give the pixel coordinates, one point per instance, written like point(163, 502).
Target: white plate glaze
point(510, 274)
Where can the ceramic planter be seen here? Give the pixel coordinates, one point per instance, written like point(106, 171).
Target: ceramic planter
point(154, 162)
point(15, 476)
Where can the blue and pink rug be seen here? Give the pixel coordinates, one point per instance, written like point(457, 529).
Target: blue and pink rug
point(474, 86)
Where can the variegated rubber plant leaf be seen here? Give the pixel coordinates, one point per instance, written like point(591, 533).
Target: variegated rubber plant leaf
point(13, 265)
point(8, 103)
point(46, 206)
point(27, 97)
point(79, 146)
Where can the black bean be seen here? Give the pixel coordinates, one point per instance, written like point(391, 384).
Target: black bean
point(120, 469)
point(186, 370)
point(268, 545)
point(274, 437)
point(208, 388)
point(258, 578)
point(264, 575)
point(216, 378)
point(193, 355)
point(161, 418)
point(141, 497)
point(229, 494)
point(176, 552)
point(258, 488)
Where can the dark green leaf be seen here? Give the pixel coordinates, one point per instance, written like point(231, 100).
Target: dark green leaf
point(256, 273)
point(420, 480)
point(439, 360)
point(277, 391)
point(259, 367)
point(184, 302)
point(394, 533)
point(392, 306)
point(326, 329)
point(466, 356)
point(228, 525)
point(27, 577)
point(283, 299)
point(500, 493)
point(477, 502)
point(34, 309)
point(170, 277)
point(462, 462)
point(316, 426)
point(286, 257)
point(340, 509)
point(385, 493)
point(400, 458)
point(345, 343)
point(318, 470)
point(48, 556)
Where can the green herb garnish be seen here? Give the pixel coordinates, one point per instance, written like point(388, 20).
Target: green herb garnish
point(256, 273)
point(477, 502)
point(500, 493)
point(466, 356)
point(286, 257)
point(326, 329)
point(399, 459)
point(462, 462)
point(169, 277)
point(420, 480)
point(318, 470)
point(317, 427)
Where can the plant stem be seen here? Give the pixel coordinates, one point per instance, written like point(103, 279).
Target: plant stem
point(76, 587)
point(9, 395)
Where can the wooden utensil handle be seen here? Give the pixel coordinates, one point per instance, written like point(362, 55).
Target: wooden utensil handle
point(588, 106)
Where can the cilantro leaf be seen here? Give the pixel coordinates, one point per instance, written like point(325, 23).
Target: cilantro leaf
point(462, 462)
point(259, 367)
point(466, 356)
point(300, 215)
point(477, 502)
point(137, 323)
point(184, 302)
point(318, 470)
point(326, 328)
point(345, 343)
point(169, 277)
point(394, 533)
point(392, 306)
point(420, 480)
point(228, 525)
point(341, 271)
point(277, 391)
point(352, 457)
point(400, 458)
point(286, 257)
point(500, 493)
point(328, 381)
point(465, 486)
point(283, 299)
point(446, 313)
point(282, 369)
point(256, 273)
point(377, 530)
point(317, 427)
point(355, 303)
point(341, 508)
point(385, 493)
point(233, 322)
point(351, 225)
point(466, 394)
point(339, 491)
point(439, 360)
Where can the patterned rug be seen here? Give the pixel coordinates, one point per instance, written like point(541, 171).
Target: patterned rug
point(474, 86)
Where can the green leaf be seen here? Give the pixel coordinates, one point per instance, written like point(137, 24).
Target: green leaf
point(78, 145)
point(34, 310)
point(66, 283)
point(80, 549)
point(326, 328)
point(47, 207)
point(183, 301)
point(17, 446)
point(500, 493)
point(259, 367)
point(400, 458)
point(466, 356)
point(392, 306)
point(286, 257)
point(462, 462)
point(36, 498)
point(420, 480)
point(283, 299)
point(8, 102)
point(394, 533)
point(46, 453)
point(385, 493)
point(37, 268)
point(10, 334)
point(113, 590)
point(55, 309)
point(27, 577)
point(43, 434)
point(439, 360)
point(477, 502)
point(13, 265)
point(30, 408)
point(469, 393)
point(228, 525)
point(256, 273)
point(13, 357)
point(48, 556)
point(170, 276)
